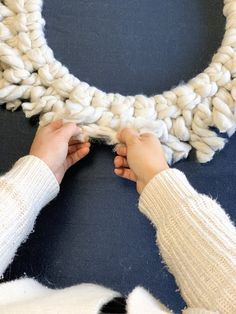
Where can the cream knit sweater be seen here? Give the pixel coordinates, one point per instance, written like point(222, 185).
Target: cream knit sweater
point(196, 238)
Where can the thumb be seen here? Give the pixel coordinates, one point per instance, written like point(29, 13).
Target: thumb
point(128, 136)
point(70, 129)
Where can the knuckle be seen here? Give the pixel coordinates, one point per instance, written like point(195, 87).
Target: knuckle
point(67, 128)
point(128, 135)
point(121, 134)
point(118, 146)
point(120, 149)
point(125, 130)
point(123, 151)
point(133, 139)
point(147, 135)
point(71, 125)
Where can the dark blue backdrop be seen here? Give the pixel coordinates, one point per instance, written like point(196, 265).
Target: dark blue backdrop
point(93, 231)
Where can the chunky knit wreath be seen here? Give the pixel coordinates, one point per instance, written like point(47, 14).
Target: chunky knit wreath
point(182, 118)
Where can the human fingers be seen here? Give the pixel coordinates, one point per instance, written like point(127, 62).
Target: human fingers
point(125, 173)
point(148, 135)
point(128, 136)
point(74, 147)
point(54, 125)
point(69, 129)
point(76, 141)
point(121, 150)
point(120, 162)
point(48, 128)
point(74, 157)
point(73, 141)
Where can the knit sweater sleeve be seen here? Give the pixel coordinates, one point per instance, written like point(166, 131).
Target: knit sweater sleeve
point(197, 240)
point(24, 190)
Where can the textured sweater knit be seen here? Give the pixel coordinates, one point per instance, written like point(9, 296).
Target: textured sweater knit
point(196, 238)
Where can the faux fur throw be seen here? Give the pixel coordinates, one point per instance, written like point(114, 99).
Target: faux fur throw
point(182, 118)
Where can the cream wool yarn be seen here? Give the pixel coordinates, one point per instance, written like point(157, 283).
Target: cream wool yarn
point(31, 77)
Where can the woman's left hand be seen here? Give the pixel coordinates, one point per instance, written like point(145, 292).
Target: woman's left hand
point(55, 145)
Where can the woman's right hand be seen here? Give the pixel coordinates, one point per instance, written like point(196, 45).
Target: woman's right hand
point(140, 157)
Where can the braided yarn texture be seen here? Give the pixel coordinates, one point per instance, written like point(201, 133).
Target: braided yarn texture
point(188, 116)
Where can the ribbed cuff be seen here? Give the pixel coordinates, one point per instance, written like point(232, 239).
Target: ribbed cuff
point(33, 179)
point(164, 193)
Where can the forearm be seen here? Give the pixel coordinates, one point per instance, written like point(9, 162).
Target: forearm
point(24, 190)
point(196, 239)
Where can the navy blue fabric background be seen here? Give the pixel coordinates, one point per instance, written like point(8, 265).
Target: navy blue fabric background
point(93, 231)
